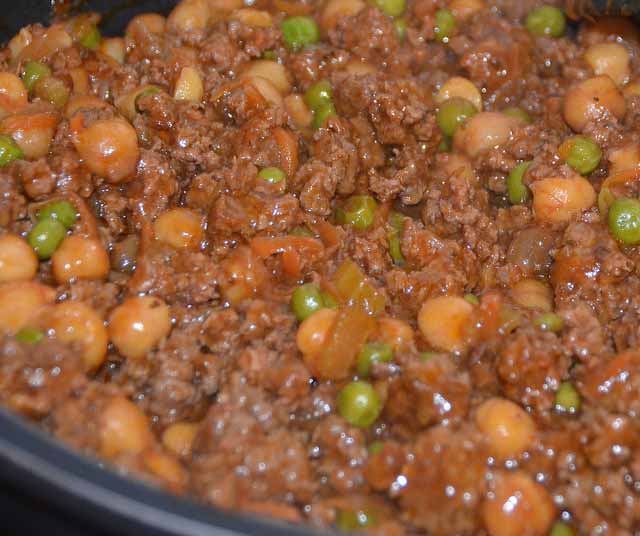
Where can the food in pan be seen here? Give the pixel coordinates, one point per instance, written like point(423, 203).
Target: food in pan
point(362, 265)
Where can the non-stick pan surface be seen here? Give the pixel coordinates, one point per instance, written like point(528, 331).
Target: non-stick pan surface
point(81, 489)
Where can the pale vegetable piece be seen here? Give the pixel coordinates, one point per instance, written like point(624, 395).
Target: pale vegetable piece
point(517, 506)
point(21, 302)
point(80, 80)
point(189, 86)
point(611, 59)
point(179, 228)
point(253, 17)
point(465, 9)
point(533, 294)
point(508, 429)
point(53, 40)
point(272, 71)
point(455, 164)
point(126, 103)
point(443, 322)
point(75, 322)
point(245, 274)
point(19, 42)
point(359, 68)
point(396, 333)
point(267, 90)
point(178, 438)
point(124, 428)
point(32, 132)
point(314, 331)
point(145, 24)
point(590, 100)
point(166, 468)
point(13, 93)
point(80, 258)
point(138, 325)
point(188, 16)
point(334, 10)
point(559, 199)
point(459, 86)
point(18, 262)
point(624, 159)
point(483, 132)
point(113, 47)
point(109, 148)
point(298, 110)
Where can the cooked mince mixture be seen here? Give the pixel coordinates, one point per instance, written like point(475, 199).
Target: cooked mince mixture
point(363, 265)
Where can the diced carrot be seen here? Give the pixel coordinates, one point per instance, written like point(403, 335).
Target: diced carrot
point(76, 124)
point(329, 234)
point(288, 146)
point(293, 249)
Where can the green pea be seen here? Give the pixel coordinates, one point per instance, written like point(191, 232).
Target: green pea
point(445, 25)
point(453, 113)
point(395, 250)
point(319, 94)
point(375, 447)
point(53, 90)
point(32, 72)
point(329, 301)
point(146, 92)
point(510, 320)
point(29, 335)
point(445, 145)
point(374, 352)
point(359, 211)
point(567, 398)
point(549, 322)
point(546, 20)
point(269, 55)
point(518, 113)
point(396, 222)
point(9, 150)
point(472, 299)
point(624, 220)
point(91, 38)
point(561, 529)
point(321, 114)
point(46, 236)
point(299, 32)
point(351, 520)
point(272, 175)
point(401, 28)
point(302, 230)
point(516, 189)
point(392, 8)
point(359, 404)
point(63, 211)
point(306, 300)
point(581, 153)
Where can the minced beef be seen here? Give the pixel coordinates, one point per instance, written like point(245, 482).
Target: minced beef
point(378, 272)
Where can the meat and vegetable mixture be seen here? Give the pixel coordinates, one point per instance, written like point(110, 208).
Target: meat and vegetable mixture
point(365, 265)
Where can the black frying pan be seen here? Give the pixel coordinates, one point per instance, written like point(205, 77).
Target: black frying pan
point(79, 489)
